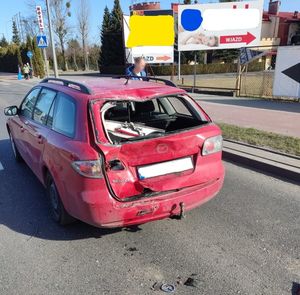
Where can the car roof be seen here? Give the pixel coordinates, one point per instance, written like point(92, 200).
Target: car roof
point(112, 88)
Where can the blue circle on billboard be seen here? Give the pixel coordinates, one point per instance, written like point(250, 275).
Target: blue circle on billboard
point(191, 19)
point(29, 54)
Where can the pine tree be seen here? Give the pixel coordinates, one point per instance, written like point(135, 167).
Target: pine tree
point(116, 36)
point(38, 62)
point(3, 42)
point(105, 54)
point(15, 34)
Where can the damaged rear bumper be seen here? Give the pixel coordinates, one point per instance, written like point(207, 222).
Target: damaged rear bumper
point(112, 213)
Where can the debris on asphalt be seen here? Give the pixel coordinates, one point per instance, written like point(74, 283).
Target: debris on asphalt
point(179, 281)
point(193, 281)
point(167, 288)
point(132, 249)
point(156, 286)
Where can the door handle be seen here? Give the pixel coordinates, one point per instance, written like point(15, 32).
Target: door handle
point(40, 138)
point(26, 122)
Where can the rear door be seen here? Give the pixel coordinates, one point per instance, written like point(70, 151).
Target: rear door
point(37, 129)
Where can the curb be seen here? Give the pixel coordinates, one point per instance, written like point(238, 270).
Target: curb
point(278, 165)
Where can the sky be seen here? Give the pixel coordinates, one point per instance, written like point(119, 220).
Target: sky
point(12, 7)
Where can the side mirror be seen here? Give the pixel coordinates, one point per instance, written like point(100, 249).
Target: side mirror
point(11, 111)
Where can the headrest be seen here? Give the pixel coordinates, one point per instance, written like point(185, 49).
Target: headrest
point(144, 107)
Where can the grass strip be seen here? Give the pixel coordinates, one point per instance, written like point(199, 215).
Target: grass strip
point(277, 142)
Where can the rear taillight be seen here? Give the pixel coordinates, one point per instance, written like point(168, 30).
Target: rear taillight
point(91, 169)
point(212, 145)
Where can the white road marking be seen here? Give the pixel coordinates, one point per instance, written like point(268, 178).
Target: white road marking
point(4, 83)
point(1, 167)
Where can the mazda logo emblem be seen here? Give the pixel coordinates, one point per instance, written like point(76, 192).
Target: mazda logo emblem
point(162, 148)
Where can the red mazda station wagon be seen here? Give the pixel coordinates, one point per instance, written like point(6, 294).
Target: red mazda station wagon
point(115, 152)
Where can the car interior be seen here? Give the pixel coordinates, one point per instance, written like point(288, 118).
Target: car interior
point(130, 121)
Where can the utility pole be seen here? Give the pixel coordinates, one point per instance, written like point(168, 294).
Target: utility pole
point(179, 65)
point(52, 40)
point(195, 71)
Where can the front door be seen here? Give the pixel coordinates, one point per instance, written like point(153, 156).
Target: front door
point(22, 120)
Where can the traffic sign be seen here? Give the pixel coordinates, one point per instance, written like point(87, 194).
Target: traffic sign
point(247, 55)
point(293, 72)
point(30, 54)
point(287, 72)
point(42, 41)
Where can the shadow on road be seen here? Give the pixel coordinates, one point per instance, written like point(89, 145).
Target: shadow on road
point(292, 107)
point(24, 207)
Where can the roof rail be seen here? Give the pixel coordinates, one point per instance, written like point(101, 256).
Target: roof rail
point(148, 78)
point(78, 86)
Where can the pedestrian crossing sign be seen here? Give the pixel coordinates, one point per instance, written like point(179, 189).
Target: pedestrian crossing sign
point(42, 41)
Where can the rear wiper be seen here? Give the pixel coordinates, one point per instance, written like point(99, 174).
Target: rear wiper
point(151, 135)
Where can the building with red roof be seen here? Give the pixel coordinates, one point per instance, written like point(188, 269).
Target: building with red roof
point(279, 27)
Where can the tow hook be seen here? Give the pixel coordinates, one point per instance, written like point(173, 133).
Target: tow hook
point(182, 212)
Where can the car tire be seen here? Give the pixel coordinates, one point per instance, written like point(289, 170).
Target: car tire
point(16, 153)
point(58, 211)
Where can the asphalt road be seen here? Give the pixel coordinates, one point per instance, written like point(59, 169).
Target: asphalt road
point(245, 241)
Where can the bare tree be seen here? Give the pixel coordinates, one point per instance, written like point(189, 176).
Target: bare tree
point(60, 10)
point(30, 25)
point(74, 47)
point(83, 28)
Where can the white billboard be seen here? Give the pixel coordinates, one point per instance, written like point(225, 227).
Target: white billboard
point(152, 54)
point(287, 72)
point(219, 25)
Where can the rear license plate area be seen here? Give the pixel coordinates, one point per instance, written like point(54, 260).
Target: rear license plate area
point(164, 168)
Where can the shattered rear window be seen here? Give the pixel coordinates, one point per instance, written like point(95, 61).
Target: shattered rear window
point(131, 121)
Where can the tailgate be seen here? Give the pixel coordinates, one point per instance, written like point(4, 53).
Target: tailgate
point(162, 164)
point(153, 146)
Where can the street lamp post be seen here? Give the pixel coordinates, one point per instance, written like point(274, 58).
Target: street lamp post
point(52, 40)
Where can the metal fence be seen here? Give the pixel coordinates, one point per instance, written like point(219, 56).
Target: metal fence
point(259, 83)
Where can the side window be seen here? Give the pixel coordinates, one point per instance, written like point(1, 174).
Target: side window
point(43, 104)
point(63, 117)
point(158, 107)
point(49, 122)
point(179, 106)
point(28, 103)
